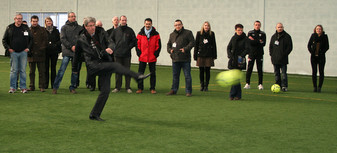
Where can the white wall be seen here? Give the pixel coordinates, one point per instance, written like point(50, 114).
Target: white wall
point(299, 18)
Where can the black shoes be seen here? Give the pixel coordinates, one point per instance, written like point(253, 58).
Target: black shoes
point(95, 118)
point(142, 76)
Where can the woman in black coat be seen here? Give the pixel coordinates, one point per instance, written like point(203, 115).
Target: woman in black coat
point(52, 51)
point(205, 53)
point(318, 45)
point(237, 49)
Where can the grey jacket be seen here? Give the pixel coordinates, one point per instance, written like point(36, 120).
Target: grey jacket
point(180, 39)
point(69, 36)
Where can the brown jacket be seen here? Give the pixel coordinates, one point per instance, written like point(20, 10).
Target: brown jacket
point(40, 41)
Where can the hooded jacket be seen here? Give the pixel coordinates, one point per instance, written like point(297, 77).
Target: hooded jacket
point(8, 37)
point(280, 47)
point(148, 49)
point(69, 36)
point(180, 39)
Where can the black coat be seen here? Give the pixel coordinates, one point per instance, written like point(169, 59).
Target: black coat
point(92, 56)
point(205, 45)
point(280, 47)
point(238, 46)
point(54, 42)
point(324, 44)
point(124, 39)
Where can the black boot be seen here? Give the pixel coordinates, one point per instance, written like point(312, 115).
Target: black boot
point(206, 87)
point(201, 86)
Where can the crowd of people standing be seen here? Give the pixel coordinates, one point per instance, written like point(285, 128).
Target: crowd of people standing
point(41, 46)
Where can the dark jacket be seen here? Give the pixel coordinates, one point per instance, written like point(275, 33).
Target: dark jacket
point(124, 39)
point(280, 47)
point(181, 39)
point(256, 46)
point(323, 44)
point(40, 42)
point(109, 31)
point(148, 49)
point(54, 42)
point(8, 37)
point(92, 56)
point(205, 45)
point(69, 36)
point(237, 46)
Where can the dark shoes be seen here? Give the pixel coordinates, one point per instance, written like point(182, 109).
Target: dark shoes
point(170, 93)
point(95, 118)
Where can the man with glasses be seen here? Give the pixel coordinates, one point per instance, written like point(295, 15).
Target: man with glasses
point(17, 41)
point(179, 47)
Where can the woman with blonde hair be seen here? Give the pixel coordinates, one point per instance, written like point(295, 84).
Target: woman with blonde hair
point(205, 53)
point(52, 51)
point(318, 45)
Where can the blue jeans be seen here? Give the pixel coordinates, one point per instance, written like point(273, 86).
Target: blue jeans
point(284, 81)
point(18, 64)
point(176, 68)
point(60, 73)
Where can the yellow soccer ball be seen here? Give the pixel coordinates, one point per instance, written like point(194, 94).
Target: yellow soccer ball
point(228, 78)
point(275, 88)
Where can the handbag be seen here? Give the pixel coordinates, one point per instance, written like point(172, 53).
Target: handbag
point(241, 62)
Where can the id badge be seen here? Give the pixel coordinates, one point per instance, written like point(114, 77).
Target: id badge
point(25, 33)
point(277, 42)
point(205, 41)
point(174, 45)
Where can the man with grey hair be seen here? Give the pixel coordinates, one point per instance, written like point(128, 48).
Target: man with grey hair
point(69, 36)
point(17, 41)
point(279, 49)
point(95, 46)
point(124, 40)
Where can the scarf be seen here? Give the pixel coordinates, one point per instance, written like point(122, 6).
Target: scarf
point(147, 32)
point(50, 29)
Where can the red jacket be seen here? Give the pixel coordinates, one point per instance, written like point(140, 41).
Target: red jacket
point(148, 49)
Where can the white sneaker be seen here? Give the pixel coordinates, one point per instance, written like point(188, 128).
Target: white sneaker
point(247, 86)
point(11, 90)
point(260, 87)
point(115, 90)
point(129, 91)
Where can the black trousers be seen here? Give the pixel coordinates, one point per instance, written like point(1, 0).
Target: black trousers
point(318, 61)
point(259, 63)
point(202, 72)
point(141, 70)
point(104, 70)
point(126, 62)
point(51, 61)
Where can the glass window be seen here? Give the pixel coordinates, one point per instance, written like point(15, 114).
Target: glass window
point(59, 18)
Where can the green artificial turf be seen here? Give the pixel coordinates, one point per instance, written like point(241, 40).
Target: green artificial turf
point(298, 121)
